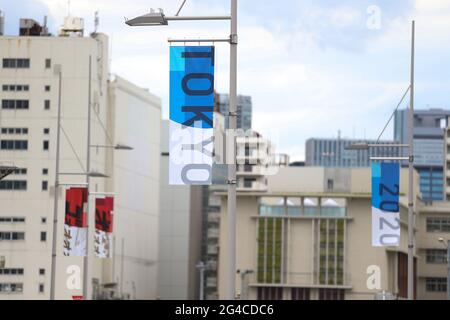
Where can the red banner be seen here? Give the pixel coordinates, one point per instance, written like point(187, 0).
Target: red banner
point(103, 214)
point(76, 199)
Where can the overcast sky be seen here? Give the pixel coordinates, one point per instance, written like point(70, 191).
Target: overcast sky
point(312, 67)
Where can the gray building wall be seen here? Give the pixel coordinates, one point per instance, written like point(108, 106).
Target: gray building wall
point(428, 147)
point(244, 110)
point(332, 153)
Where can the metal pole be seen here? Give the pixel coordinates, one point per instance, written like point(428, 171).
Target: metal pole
point(55, 196)
point(121, 268)
point(448, 269)
point(410, 179)
point(88, 169)
point(231, 205)
point(201, 267)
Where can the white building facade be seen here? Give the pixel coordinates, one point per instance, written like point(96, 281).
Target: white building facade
point(121, 112)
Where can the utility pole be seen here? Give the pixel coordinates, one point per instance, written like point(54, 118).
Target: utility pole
point(411, 177)
point(56, 187)
point(88, 170)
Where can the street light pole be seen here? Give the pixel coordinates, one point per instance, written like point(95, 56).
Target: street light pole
point(231, 201)
point(410, 177)
point(55, 196)
point(88, 169)
point(201, 266)
point(159, 19)
point(448, 269)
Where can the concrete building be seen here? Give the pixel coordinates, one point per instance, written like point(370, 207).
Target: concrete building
point(243, 107)
point(121, 113)
point(429, 145)
point(332, 153)
point(308, 237)
point(446, 164)
point(433, 223)
point(180, 239)
point(255, 157)
point(134, 119)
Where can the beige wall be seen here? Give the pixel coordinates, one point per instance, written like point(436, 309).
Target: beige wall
point(359, 253)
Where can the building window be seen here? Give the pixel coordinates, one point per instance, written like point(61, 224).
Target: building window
point(43, 220)
point(270, 293)
point(269, 250)
point(16, 63)
point(14, 145)
point(12, 219)
point(11, 235)
point(248, 182)
point(48, 63)
point(331, 294)
point(331, 251)
point(45, 171)
point(11, 287)
point(46, 130)
point(20, 172)
point(300, 294)
point(45, 145)
point(438, 224)
point(44, 185)
point(14, 131)
point(11, 271)
point(41, 271)
point(436, 284)
point(330, 184)
point(15, 104)
point(41, 288)
point(13, 185)
point(43, 236)
point(15, 87)
point(47, 88)
point(47, 104)
point(436, 256)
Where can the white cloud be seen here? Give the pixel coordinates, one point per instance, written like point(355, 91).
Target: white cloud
point(298, 83)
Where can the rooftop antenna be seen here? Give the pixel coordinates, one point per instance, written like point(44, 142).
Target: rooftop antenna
point(96, 22)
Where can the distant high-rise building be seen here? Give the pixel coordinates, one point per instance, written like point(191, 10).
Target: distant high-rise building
point(332, 152)
point(244, 109)
point(429, 128)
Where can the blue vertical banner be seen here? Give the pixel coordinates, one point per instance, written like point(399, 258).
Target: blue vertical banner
point(191, 134)
point(385, 204)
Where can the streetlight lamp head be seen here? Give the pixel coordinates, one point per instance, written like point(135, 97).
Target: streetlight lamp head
point(94, 174)
point(122, 147)
point(151, 19)
point(358, 146)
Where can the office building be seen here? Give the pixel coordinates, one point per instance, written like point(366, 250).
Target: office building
point(309, 237)
point(433, 222)
point(429, 146)
point(243, 108)
point(446, 164)
point(332, 153)
point(121, 113)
